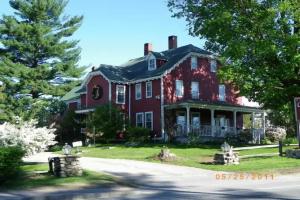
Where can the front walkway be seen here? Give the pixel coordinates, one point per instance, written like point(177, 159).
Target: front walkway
point(162, 181)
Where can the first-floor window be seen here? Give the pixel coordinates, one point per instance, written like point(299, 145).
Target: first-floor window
point(179, 88)
point(120, 96)
point(222, 92)
point(139, 119)
point(149, 120)
point(148, 89)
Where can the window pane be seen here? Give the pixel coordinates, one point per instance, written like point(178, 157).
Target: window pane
point(222, 92)
point(149, 89)
point(179, 88)
point(148, 120)
point(195, 90)
point(194, 62)
point(139, 119)
point(151, 64)
point(120, 94)
point(138, 93)
point(213, 65)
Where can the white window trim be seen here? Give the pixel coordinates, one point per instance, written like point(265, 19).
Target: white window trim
point(124, 88)
point(136, 97)
point(150, 83)
point(151, 57)
point(198, 92)
point(182, 89)
point(196, 59)
point(150, 112)
point(136, 117)
point(211, 62)
point(222, 99)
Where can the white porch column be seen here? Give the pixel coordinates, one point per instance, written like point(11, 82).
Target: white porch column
point(252, 124)
point(263, 123)
point(188, 119)
point(212, 122)
point(234, 122)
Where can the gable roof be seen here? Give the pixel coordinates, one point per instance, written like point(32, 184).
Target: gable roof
point(137, 69)
point(73, 94)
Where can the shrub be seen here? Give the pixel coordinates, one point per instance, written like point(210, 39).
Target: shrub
point(193, 139)
point(55, 148)
point(10, 161)
point(245, 136)
point(231, 138)
point(27, 136)
point(289, 141)
point(138, 134)
point(275, 134)
point(266, 141)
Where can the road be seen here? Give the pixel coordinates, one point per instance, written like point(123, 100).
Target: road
point(163, 181)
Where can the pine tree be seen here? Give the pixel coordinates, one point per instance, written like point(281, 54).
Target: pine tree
point(35, 45)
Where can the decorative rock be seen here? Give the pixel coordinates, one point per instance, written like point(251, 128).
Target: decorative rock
point(64, 166)
point(165, 155)
point(292, 153)
point(227, 157)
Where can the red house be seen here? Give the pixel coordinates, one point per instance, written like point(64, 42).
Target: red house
point(174, 91)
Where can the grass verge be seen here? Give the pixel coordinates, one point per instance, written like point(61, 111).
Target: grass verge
point(35, 175)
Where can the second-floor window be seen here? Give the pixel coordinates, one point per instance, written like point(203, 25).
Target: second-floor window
point(195, 90)
point(179, 88)
point(194, 62)
point(120, 96)
point(222, 94)
point(148, 89)
point(138, 91)
point(213, 65)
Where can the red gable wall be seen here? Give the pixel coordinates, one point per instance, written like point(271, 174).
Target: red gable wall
point(97, 80)
point(209, 84)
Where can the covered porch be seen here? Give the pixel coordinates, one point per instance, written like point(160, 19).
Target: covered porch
point(212, 120)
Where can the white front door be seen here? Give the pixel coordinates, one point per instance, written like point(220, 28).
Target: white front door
point(195, 121)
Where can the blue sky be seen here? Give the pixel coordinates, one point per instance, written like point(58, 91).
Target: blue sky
point(114, 31)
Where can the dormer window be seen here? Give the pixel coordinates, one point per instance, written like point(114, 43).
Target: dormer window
point(152, 64)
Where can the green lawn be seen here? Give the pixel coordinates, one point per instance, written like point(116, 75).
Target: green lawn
point(200, 157)
point(35, 175)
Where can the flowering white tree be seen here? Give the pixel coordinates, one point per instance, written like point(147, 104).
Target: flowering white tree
point(31, 138)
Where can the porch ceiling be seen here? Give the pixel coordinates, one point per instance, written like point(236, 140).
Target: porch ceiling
point(214, 106)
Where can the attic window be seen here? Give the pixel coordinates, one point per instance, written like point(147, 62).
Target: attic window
point(151, 64)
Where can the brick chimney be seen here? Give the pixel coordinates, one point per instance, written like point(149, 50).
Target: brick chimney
point(147, 48)
point(172, 42)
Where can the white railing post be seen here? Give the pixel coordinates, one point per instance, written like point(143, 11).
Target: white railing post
point(234, 122)
point(212, 122)
point(188, 119)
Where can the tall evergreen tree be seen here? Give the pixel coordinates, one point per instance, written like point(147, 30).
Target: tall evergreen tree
point(35, 45)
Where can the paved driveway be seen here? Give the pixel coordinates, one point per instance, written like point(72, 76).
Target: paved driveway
point(162, 181)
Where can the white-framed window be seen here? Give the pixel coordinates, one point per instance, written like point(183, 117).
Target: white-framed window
point(195, 90)
point(139, 119)
point(120, 96)
point(152, 64)
point(222, 95)
point(149, 89)
point(179, 88)
point(138, 91)
point(149, 120)
point(213, 65)
point(194, 62)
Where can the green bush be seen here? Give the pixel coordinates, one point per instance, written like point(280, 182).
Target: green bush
point(245, 136)
point(266, 141)
point(292, 140)
point(10, 161)
point(138, 134)
point(55, 148)
point(231, 138)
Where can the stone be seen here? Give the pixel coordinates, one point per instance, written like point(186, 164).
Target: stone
point(66, 166)
point(292, 153)
point(227, 157)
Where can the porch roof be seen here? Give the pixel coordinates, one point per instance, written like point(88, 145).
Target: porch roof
point(214, 105)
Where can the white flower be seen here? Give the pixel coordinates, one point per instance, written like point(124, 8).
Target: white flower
point(31, 138)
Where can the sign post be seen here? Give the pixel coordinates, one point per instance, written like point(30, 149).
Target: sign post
point(297, 116)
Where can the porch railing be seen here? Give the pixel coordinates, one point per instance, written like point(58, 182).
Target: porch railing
point(204, 130)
